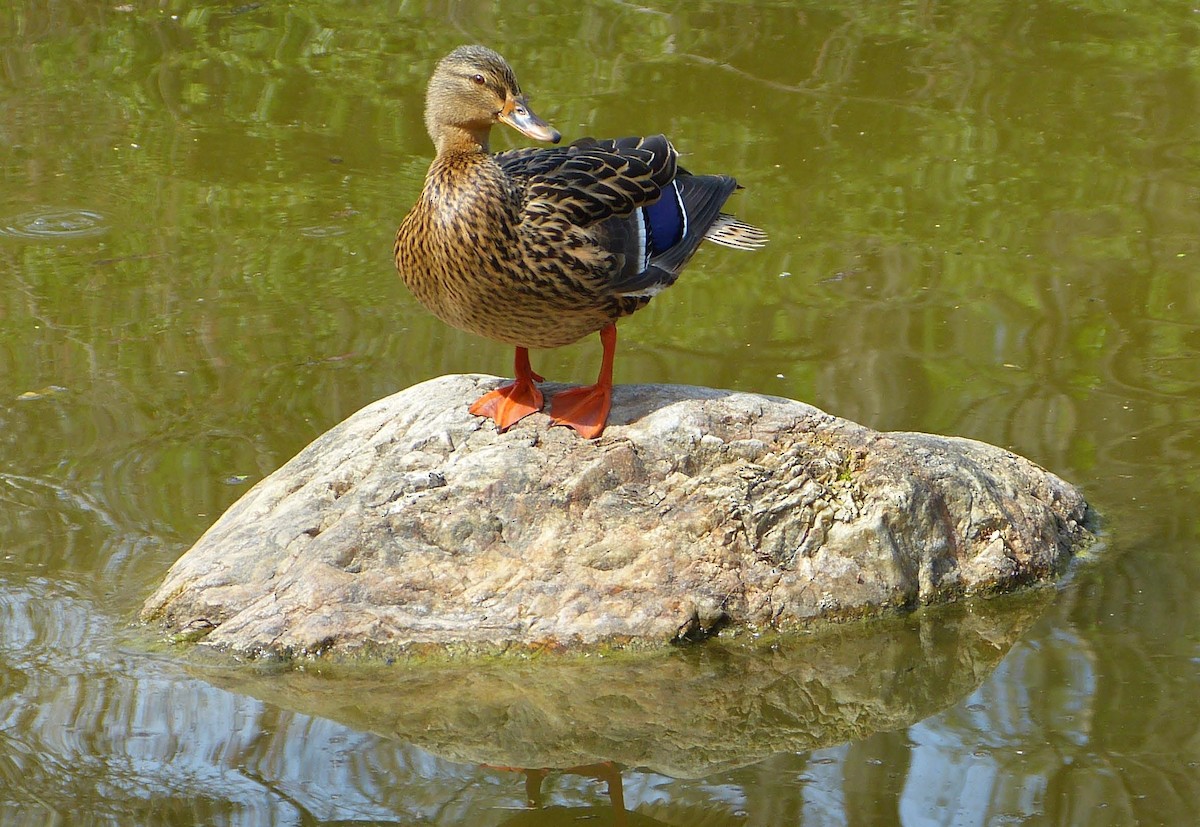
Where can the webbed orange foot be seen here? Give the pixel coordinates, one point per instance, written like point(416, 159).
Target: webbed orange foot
point(584, 409)
point(509, 404)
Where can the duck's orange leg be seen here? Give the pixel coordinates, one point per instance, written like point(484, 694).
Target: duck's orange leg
point(586, 409)
point(509, 404)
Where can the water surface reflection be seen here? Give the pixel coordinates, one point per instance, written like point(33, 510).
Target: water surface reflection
point(263, 744)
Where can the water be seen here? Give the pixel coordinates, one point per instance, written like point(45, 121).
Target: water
point(984, 220)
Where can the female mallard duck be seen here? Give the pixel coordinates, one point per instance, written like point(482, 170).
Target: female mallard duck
point(540, 247)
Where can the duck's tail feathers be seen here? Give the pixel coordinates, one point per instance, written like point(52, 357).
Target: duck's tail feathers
point(728, 231)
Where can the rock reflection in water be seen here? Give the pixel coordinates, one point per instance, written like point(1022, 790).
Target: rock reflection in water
point(687, 713)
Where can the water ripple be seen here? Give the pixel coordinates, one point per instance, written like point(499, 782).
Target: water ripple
point(55, 223)
point(322, 231)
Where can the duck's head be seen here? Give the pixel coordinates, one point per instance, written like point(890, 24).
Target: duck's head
point(472, 89)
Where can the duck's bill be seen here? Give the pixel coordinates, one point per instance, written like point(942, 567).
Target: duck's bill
point(521, 118)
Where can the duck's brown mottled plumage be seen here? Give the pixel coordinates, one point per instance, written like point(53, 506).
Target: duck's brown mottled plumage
point(541, 247)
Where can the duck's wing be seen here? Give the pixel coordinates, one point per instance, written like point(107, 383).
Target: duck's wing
point(644, 209)
point(591, 181)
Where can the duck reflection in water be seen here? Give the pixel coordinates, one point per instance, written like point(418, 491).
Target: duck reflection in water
point(613, 815)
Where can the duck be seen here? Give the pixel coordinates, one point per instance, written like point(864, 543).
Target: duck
point(538, 247)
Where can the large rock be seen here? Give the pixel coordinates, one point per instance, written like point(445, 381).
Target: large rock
point(414, 524)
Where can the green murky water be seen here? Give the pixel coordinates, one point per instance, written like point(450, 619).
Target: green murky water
point(985, 221)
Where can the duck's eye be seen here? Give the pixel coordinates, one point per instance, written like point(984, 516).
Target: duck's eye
point(478, 80)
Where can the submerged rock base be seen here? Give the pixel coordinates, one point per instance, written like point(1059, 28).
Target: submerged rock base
point(414, 524)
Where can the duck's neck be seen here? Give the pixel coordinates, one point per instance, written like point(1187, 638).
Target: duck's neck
point(460, 140)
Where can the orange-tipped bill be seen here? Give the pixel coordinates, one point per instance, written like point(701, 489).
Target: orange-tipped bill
point(517, 114)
